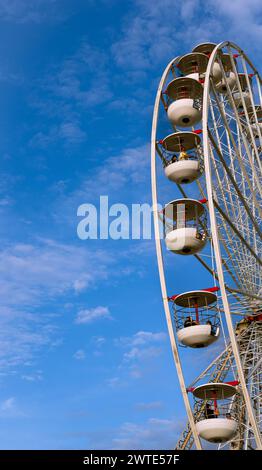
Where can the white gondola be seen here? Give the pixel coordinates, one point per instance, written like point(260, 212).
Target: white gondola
point(185, 97)
point(193, 65)
point(186, 167)
point(216, 429)
point(207, 49)
point(245, 92)
point(221, 86)
point(185, 226)
point(196, 308)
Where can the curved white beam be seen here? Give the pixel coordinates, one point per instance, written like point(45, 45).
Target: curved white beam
point(160, 261)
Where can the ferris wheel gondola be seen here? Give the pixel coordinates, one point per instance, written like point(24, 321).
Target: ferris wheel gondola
point(196, 317)
point(182, 159)
point(217, 424)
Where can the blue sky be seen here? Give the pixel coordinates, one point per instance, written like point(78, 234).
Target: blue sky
point(84, 355)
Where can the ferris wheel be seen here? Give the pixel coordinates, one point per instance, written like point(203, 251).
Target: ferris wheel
point(207, 141)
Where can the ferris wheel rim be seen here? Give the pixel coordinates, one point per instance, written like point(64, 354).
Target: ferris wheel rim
point(215, 238)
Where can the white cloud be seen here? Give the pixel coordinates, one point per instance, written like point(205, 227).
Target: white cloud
point(148, 34)
point(79, 83)
point(31, 11)
point(142, 338)
point(142, 353)
point(35, 276)
point(9, 409)
point(84, 82)
point(80, 284)
point(135, 372)
point(80, 355)
point(72, 133)
point(154, 434)
point(69, 132)
point(115, 382)
point(32, 277)
point(142, 346)
point(149, 406)
point(31, 271)
point(88, 62)
point(98, 341)
point(92, 314)
point(7, 404)
point(155, 32)
point(139, 350)
point(126, 172)
point(130, 166)
point(22, 335)
point(35, 377)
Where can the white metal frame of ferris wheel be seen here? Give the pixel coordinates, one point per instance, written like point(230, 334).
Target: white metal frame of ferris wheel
point(232, 186)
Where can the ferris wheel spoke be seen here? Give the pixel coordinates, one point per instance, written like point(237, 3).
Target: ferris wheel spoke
point(225, 246)
point(236, 113)
point(226, 203)
point(234, 202)
point(237, 238)
point(247, 113)
point(220, 188)
point(236, 231)
point(237, 153)
point(235, 185)
point(239, 157)
point(199, 257)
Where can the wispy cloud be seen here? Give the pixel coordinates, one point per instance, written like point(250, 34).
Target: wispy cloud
point(142, 338)
point(33, 377)
point(72, 133)
point(7, 404)
point(68, 132)
point(22, 335)
point(33, 276)
point(79, 355)
point(98, 341)
point(71, 88)
point(154, 33)
point(125, 173)
point(115, 382)
point(153, 405)
point(31, 11)
point(10, 409)
point(139, 351)
point(137, 354)
point(93, 314)
point(155, 433)
point(31, 271)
